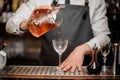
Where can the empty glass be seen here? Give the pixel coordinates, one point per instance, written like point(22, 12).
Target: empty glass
point(60, 44)
point(105, 50)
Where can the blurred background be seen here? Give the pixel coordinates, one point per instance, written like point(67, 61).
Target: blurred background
point(17, 45)
point(25, 49)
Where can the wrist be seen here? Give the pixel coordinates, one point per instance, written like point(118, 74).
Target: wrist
point(85, 49)
point(88, 49)
point(23, 26)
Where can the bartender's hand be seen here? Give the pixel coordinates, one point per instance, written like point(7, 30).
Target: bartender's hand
point(39, 11)
point(75, 59)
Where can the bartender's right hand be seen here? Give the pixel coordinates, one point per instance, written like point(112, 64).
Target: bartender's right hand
point(37, 12)
point(75, 59)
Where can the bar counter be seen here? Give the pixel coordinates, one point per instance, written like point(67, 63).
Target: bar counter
point(49, 72)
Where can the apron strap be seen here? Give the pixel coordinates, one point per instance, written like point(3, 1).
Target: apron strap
point(67, 1)
point(86, 2)
point(86, 11)
point(54, 3)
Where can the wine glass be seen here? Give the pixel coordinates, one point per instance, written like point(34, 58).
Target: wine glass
point(45, 22)
point(60, 44)
point(105, 50)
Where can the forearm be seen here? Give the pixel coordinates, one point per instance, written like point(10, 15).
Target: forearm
point(18, 21)
point(99, 24)
point(84, 49)
point(100, 40)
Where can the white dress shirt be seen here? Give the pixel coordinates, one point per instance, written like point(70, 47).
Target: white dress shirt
point(97, 18)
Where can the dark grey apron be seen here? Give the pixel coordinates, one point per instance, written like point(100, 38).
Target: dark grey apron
point(76, 27)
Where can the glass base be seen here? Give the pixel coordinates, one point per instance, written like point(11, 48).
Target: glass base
point(59, 72)
point(104, 70)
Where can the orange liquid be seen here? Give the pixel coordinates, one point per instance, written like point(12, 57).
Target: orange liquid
point(39, 30)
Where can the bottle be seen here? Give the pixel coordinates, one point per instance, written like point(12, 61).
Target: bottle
point(45, 21)
point(20, 2)
point(1, 5)
point(38, 30)
point(14, 5)
point(6, 12)
point(94, 67)
point(116, 62)
point(44, 24)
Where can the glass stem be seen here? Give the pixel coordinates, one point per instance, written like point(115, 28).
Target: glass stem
point(104, 58)
point(60, 58)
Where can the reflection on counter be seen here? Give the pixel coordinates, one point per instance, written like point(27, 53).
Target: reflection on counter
point(49, 72)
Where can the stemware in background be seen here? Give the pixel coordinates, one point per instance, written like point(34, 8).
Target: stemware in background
point(60, 44)
point(105, 50)
point(117, 3)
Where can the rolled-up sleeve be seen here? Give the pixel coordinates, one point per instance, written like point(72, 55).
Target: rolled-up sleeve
point(12, 26)
point(24, 12)
point(99, 25)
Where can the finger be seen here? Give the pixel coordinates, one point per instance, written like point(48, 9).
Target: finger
point(42, 10)
point(44, 7)
point(73, 68)
point(48, 7)
point(79, 67)
point(48, 11)
point(58, 68)
point(56, 8)
point(66, 68)
point(62, 65)
point(38, 11)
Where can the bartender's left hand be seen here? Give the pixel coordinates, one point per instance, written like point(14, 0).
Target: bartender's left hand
point(75, 59)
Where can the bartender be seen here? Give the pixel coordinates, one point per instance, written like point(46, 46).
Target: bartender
point(85, 24)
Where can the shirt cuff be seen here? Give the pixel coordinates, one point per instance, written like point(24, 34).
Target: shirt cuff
point(17, 26)
point(3, 53)
point(99, 40)
point(12, 26)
